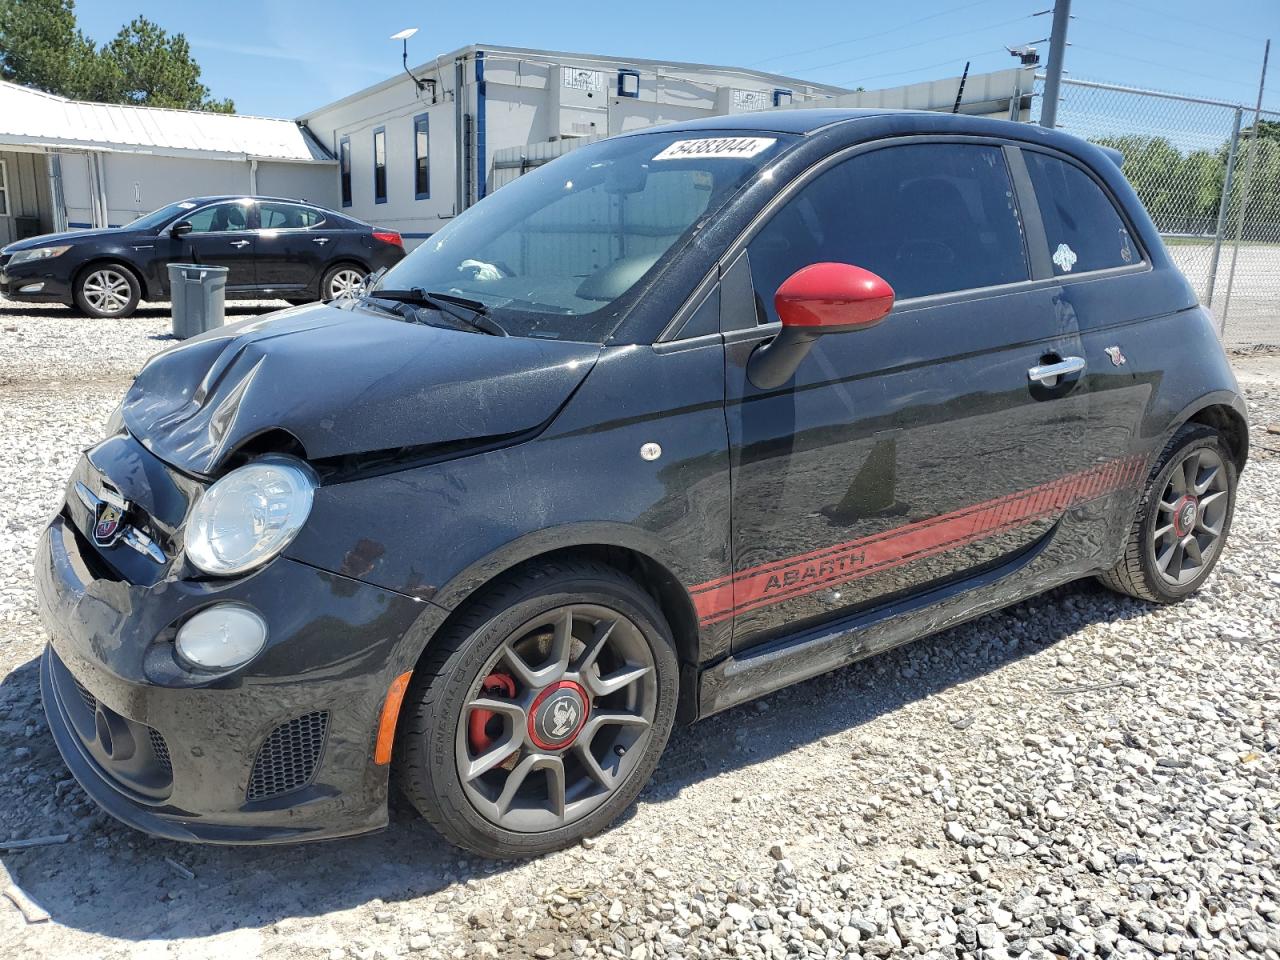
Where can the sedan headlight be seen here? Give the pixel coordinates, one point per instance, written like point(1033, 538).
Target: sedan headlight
point(38, 253)
point(250, 515)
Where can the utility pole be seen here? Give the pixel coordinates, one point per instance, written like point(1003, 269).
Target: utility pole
point(1053, 71)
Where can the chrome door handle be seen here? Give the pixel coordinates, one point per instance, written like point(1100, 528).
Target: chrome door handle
point(320, 240)
point(239, 243)
point(1050, 373)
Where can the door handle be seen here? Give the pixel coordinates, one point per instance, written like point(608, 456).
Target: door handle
point(239, 243)
point(320, 240)
point(1050, 373)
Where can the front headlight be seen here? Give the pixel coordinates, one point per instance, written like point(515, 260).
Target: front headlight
point(38, 253)
point(250, 515)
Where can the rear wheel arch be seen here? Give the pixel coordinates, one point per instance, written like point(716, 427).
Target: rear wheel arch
point(339, 263)
point(1231, 424)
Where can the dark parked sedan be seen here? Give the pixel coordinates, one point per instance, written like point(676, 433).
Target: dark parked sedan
point(679, 419)
point(272, 248)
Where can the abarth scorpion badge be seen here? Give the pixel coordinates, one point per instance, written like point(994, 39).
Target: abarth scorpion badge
point(108, 523)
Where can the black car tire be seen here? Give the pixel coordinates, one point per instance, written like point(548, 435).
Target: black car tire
point(1138, 573)
point(457, 663)
point(334, 277)
point(101, 287)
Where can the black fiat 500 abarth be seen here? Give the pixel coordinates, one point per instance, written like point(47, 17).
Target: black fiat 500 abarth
point(678, 419)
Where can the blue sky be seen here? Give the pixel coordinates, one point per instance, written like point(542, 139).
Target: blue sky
point(283, 57)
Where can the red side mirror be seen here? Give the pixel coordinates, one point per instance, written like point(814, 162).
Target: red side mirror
point(833, 298)
point(818, 299)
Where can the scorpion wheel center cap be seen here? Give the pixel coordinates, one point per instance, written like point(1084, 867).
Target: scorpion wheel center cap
point(1184, 515)
point(557, 715)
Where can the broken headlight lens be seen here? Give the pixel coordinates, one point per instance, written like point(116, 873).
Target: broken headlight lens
point(250, 515)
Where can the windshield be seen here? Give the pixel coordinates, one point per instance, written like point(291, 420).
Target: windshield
point(553, 253)
point(158, 218)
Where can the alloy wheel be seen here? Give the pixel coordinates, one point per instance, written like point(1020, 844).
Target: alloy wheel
point(107, 291)
point(1187, 530)
point(345, 283)
point(557, 719)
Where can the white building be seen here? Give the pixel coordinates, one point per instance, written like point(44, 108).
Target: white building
point(401, 154)
point(69, 164)
point(411, 158)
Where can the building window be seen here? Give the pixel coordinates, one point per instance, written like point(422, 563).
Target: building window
point(783, 98)
point(628, 83)
point(344, 169)
point(421, 158)
point(380, 165)
point(4, 188)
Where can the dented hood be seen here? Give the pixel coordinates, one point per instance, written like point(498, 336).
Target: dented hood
point(344, 380)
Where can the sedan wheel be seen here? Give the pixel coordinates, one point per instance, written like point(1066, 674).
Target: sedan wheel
point(343, 282)
point(540, 714)
point(107, 292)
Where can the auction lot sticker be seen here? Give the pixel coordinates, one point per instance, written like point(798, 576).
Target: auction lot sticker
point(717, 147)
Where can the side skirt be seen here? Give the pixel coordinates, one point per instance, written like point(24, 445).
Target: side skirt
point(762, 670)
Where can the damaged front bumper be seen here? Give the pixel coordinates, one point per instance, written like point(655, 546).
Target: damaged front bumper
point(278, 750)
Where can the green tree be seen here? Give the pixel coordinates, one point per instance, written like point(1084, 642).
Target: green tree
point(41, 46)
point(150, 67)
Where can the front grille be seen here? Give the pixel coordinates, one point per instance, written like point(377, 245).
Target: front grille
point(289, 757)
point(160, 749)
point(89, 699)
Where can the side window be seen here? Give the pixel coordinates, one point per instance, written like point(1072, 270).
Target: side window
point(1082, 225)
point(380, 165)
point(344, 167)
point(287, 216)
point(929, 218)
point(219, 218)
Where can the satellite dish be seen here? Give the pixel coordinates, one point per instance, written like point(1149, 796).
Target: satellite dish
point(404, 34)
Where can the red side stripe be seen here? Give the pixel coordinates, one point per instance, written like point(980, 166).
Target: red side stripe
point(769, 583)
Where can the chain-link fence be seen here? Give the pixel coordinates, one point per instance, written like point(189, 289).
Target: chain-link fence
point(1208, 172)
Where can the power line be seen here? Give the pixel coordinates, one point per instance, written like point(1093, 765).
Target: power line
point(1166, 15)
point(932, 66)
point(912, 46)
point(872, 36)
point(1125, 55)
point(1233, 56)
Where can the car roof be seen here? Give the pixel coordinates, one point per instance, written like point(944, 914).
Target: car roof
point(250, 196)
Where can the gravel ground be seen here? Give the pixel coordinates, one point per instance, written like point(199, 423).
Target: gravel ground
point(1076, 776)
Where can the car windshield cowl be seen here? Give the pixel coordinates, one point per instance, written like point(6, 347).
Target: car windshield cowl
point(564, 251)
point(472, 313)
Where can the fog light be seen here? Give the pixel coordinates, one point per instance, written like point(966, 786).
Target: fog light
point(221, 637)
point(32, 288)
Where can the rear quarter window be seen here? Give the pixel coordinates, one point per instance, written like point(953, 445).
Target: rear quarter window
point(1084, 229)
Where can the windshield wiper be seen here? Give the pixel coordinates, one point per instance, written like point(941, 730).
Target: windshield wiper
point(471, 312)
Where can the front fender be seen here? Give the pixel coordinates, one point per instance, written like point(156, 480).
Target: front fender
point(438, 532)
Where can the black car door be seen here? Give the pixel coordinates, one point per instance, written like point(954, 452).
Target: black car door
point(915, 452)
point(294, 244)
point(221, 236)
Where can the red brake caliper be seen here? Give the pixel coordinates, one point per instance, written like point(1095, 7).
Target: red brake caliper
point(497, 685)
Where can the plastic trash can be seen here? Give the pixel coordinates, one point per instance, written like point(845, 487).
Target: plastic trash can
point(199, 297)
